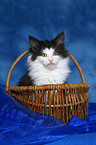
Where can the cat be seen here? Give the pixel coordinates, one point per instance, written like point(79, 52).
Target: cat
point(48, 62)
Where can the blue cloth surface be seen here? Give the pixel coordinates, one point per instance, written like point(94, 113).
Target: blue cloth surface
point(19, 125)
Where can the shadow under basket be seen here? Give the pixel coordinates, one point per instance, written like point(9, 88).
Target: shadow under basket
point(61, 101)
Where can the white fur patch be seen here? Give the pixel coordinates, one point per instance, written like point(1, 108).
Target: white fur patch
point(43, 72)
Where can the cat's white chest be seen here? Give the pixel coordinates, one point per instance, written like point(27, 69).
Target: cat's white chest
point(43, 76)
point(49, 77)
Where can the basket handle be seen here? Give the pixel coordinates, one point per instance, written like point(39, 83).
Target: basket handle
point(25, 53)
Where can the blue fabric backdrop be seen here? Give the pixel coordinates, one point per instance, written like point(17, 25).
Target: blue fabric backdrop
point(44, 19)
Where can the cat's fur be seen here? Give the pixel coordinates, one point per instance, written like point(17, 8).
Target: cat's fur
point(52, 67)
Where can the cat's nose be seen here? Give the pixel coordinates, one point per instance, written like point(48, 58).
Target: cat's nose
point(50, 60)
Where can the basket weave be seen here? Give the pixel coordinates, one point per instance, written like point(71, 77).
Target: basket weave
point(61, 101)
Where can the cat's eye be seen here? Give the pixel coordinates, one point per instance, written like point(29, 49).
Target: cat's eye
point(44, 55)
point(55, 53)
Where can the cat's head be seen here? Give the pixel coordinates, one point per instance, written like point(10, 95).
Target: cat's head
point(49, 53)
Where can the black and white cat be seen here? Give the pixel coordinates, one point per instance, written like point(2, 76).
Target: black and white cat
point(48, 62)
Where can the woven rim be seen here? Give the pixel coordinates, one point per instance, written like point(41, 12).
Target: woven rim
point(51, 87)
point(25, 53)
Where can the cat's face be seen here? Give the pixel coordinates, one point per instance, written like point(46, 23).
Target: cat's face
point(49, 53)
point(49, 58)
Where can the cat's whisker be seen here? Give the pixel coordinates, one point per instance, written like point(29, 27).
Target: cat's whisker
point(66, 40)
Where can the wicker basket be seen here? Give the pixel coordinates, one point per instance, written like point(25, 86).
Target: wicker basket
point(61, 101)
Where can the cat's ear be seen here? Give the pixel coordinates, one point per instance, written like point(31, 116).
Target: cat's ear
point(34, 43)
point(60, 38)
